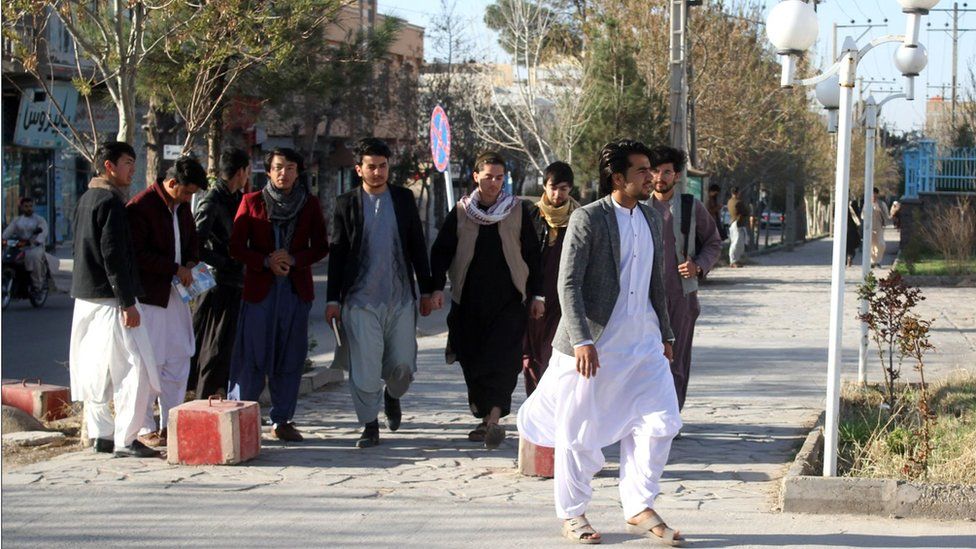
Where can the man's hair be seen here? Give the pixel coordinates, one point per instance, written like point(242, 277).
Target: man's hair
point(291, 155)
point(232, 160)
point(615, 158)
point(663, 154)
point(489, 157)
point(735, 190)
point(558, 172)
point(25, 199)
point(371, 146)
point(187, 171)
point(876, 191)
point(714, 188)
point(111, 151)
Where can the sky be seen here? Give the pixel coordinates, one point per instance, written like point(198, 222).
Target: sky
point(877, 65)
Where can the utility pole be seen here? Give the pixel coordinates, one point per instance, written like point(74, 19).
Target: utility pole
point(954, 33)
point(681, 112)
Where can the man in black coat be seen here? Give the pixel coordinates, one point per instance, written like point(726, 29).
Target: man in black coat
point(111, 359)
point(378, 249)
point(215, 319)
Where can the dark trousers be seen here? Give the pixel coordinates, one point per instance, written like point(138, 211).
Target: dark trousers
point(215, 326)
point(272, 344)
point(683, 310)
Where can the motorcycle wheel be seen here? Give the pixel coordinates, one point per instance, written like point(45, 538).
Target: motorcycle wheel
point(8, 286)
point(39, 297)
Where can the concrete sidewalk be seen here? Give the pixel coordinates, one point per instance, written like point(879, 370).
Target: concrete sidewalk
point(757, 383)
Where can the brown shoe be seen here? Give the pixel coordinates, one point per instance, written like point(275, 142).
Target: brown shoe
point(153, 440)
point(478, 435)
point(287, 432)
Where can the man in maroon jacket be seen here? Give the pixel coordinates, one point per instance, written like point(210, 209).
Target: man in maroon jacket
point(279, 233)
point(165, 240)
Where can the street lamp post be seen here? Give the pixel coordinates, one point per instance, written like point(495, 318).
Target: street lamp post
point(792, 27)
point(871, 111)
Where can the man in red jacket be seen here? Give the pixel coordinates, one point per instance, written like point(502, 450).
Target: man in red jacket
point(165, 241)
point(279, 233)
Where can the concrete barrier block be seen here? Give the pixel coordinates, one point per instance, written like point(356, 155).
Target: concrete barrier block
point(214, 432)
point(41, 400)
point(535, 461)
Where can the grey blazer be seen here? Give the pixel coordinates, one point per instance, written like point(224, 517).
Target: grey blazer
point(589, 277)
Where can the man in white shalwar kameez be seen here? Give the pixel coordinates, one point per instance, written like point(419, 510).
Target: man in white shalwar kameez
point(110, 358)
point(164, 236)
point(615, 324)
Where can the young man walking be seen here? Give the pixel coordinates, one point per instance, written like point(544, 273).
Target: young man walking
point(489, 247)
point(165, 241)
point(609, 378)
point(550, 216)
point(279, 233)
point(110, 358)
point(739, 212)
point(691, 247)
point(215, 319)
point(378, 249)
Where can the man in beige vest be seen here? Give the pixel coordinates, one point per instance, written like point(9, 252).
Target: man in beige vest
point(489, 248)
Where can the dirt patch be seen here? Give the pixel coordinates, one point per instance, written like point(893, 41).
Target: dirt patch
point(18, 456)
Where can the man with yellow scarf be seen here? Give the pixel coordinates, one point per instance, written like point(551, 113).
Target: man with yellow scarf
point(550, 216)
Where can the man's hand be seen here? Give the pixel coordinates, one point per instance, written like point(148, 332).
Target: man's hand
point(587, 362)
point(279, 261)
point(688, 269)
point(437, 300)
point(331, 313)
point(425, 307)
point(185, 275)
point(537, 309)
point(669, 351)
point(130, 317)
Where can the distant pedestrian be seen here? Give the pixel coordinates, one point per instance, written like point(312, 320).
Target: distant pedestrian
point(879, 220)
point(31, 230)
point(378, 249)
point(714, 207)
point(550, 216)
point(165, 241)
point(853, 231)
point(279, 233)
point(739, 211)
point(691, 248)
point(895, 214)
point(609, 378)
point(111, 359)
point(488, 245)
point(215, 318)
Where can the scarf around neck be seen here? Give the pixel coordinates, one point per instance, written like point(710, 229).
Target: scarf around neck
point(283, 208)
point(495, 213)
point(556, 217)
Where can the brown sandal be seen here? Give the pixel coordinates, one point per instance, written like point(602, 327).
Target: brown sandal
point(478, 435)
point(579, 530)
point(646, 528)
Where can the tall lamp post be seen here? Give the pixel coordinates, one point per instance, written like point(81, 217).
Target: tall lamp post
point(792, 27)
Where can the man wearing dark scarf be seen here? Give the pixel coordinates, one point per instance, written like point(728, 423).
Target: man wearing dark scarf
point(488, 246)
point(279, 233)
point(550, 215)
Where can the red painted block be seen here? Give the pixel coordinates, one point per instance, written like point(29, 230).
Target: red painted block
point(213, 432)
point(535, 461)
point(41, 400)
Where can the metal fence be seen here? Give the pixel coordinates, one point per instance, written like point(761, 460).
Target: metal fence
point(929, 169)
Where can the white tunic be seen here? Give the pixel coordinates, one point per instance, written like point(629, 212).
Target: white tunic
point(171, 328)
point(633, 391)
point(99, 341)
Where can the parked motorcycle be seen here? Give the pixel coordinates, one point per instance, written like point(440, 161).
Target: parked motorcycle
point(16, 278)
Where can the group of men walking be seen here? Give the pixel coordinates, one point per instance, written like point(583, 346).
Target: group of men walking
point(608, 287)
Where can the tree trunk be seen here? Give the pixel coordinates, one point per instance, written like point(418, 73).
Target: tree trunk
point(215, 140)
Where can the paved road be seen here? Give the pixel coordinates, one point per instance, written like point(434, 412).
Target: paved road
point(757, 383)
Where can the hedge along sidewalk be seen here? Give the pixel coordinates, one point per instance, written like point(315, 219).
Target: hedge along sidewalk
point(804, 491)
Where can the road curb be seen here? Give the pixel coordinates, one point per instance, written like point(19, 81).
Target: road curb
point(803, 492)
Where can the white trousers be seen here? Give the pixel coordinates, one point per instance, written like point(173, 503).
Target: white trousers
point(110, 364)
point(170, 330)
point(642, 461)
point(737, 242)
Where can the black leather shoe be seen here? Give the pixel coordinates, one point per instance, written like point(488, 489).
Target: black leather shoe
point(137, 449)
point(391, 406)
point(103, 445)
point(370, 436)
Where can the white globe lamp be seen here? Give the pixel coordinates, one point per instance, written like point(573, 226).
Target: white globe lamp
point(910, 60)
point(792, 27)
